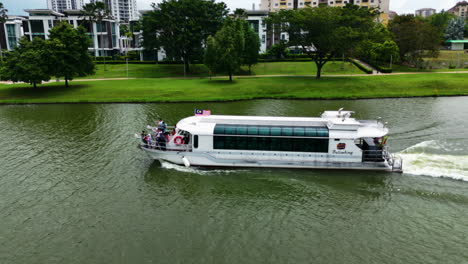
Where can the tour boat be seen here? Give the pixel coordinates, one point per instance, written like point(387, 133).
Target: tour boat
point(334, 140)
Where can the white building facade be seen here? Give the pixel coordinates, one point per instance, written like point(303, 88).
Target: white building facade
point(425, 12)
point(276, 5)
point(105, 37)
point(256, 21)
point(62, 5)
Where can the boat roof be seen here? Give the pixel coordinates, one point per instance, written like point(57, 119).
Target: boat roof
point(339, 123)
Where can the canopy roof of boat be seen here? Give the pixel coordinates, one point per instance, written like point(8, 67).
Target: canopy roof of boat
point(344, 126)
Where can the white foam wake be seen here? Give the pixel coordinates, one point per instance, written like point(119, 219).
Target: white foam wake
point(418, 160)
point(172, 166)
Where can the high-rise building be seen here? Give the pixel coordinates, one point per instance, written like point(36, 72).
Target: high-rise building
point(425, 12)
point(460, 9)
point(61, 5)
point(122, 10)
point(276, 5)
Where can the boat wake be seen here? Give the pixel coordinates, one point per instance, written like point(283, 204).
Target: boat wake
point(180, 168)
point(424, 159)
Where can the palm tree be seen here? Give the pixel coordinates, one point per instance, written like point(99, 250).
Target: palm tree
point(3, 18)
point(96, 12)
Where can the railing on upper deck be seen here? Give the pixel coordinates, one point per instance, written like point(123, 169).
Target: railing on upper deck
point(158, 146)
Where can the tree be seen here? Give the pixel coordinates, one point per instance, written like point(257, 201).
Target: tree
point(181, 27)
point(70, 52)
point(455, 29)
point(279, 50)
point(324, 32)
point(3, 18)
point(415, 38)
point(240, 13)
point(224, 51)
point(377, 47)
point(97, 12)
point(382, 53)
point(440, 20)
point(29, 62)
point(251, 48)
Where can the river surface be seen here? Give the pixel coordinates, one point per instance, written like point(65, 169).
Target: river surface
point(74, 188)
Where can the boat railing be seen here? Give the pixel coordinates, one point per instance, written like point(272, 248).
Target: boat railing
point(381, 155)
point(158, 146)
point(375, 155)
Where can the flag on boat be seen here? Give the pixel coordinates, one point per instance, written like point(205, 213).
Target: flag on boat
point(199, 112)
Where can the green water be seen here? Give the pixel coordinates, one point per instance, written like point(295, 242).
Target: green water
point(74, 188)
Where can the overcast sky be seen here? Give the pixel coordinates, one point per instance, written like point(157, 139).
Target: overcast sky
point(400, 6)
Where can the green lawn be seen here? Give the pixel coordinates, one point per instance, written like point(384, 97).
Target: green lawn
point(199, 70)
point(179, 90)
point(445, 60)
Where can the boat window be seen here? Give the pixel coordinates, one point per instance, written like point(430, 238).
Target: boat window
point(287, 131)
point(322, 132)
point(219, 129)
point(229, 130)
point(299, 131)
point(275, 131)
point(311, 131)
point(294, 131)
point(241, 130)
point(264, 131)
point(271, 143)
point(195, 141)
point(252, 130)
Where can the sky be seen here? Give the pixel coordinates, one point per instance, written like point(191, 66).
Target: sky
point(16, 7)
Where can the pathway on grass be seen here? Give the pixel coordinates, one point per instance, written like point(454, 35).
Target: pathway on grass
point(374, 70)
point(254, 76)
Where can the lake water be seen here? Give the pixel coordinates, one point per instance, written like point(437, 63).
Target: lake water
point(74, 188)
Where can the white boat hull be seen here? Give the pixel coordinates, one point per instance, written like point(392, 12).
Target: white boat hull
point(209, 159)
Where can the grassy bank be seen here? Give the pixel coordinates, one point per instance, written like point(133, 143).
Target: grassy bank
point(177, 90)
point(199, 70)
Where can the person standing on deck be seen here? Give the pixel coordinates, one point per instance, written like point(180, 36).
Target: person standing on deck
point(161, 140)
point(162, 125)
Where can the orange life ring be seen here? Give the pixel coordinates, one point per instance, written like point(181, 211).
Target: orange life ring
point(179, 140)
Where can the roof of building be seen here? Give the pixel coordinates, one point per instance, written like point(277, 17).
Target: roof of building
point(73, 11)
point(457, 41)
point(43, 11)
point(455, 8)
point(426, 9)
point(257, 12)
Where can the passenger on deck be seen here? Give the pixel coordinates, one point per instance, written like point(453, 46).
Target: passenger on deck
point(162, 125)
point(161, 140)
point(150, 140)
point(144, 138)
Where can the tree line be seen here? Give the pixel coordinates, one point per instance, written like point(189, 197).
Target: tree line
point(63, 55)
point(202, 30)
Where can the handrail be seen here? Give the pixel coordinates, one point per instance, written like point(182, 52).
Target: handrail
point(157, 146)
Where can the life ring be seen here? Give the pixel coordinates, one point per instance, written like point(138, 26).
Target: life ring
point(179, 140)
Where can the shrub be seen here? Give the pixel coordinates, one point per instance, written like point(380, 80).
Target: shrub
point(361, 67)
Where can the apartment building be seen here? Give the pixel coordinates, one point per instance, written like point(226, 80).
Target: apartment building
point(256, 20)
point(460, 9)
point(425, 12)
point(62, 5)
point(123, 11)
point(105, 37)
point(276, 5)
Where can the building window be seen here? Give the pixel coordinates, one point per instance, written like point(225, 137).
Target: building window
point(263, 38)
point(11, 32)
